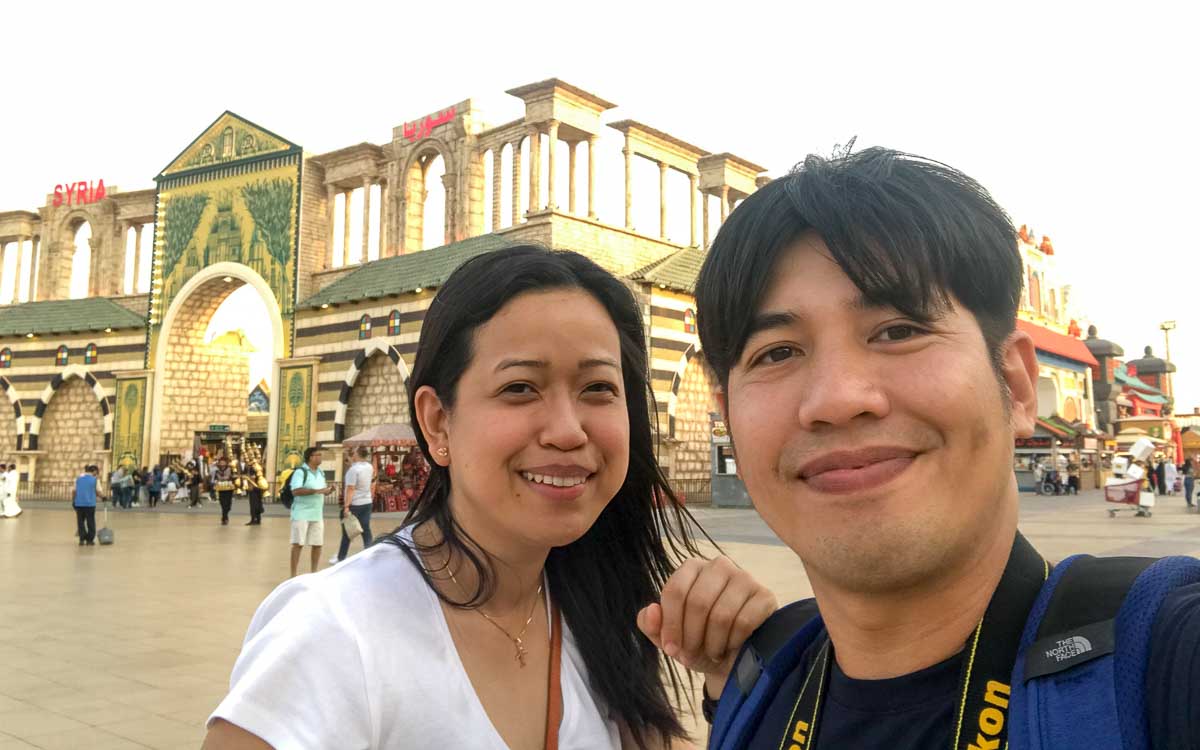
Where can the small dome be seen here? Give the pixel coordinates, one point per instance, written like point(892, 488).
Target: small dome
point(1152, 365)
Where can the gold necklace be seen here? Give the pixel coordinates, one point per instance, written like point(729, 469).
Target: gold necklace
point(518, 640)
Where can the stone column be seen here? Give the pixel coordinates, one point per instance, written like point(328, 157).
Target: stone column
point(449, 182)
point(137, 255)
point(3, 253)
point(591, 177)
point(346, 228)
point(330, 205)
point(692, 222)
point(662, 200)
point(366, 227)
point(17, 270)
point(628, 151)
point(122, 231)
point(385, 205)
point(497, 164)
point(551, 201)
point(571, 175)
point(402, 221)
point(516, 186)
point(704, 217)
point(535, 169)
point(724, 202)
point(33, 276)
point(97, 246)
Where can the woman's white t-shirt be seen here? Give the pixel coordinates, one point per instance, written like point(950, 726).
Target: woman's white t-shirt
point(359, 656)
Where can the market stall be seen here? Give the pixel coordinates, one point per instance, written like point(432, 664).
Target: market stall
point(400, 469)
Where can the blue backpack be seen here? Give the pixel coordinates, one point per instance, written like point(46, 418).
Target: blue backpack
point(1079, 679)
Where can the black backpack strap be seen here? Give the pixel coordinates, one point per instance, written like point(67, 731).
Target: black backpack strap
point(1084, 604)
point(764, 644)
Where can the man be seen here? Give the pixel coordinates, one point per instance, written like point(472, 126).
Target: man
point(193, 484)
point(253, 493)
point(1189, 480)
point(83, 499)
point(11, 479)
point(222, 484)
point(357, 498)
point(309, 491)
point(859, 317)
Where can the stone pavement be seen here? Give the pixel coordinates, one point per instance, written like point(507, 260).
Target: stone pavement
point(130, 646)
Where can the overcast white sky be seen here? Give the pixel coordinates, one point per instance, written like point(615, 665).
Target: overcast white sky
point(1079, 118)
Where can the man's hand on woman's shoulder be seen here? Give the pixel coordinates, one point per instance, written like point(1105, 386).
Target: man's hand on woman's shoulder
point(708, 610)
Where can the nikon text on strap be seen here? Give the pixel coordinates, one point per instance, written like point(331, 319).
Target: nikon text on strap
point(982, 709)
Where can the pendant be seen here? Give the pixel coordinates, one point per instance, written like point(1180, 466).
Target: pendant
point(520, 656)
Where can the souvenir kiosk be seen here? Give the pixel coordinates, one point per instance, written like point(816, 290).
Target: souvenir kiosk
point(400, 469)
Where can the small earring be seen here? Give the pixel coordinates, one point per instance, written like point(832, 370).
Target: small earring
point(443, 452)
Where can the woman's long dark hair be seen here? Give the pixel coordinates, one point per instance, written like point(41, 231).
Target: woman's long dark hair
point(621, 563)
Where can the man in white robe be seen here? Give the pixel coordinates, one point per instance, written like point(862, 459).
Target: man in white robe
point(11, 508)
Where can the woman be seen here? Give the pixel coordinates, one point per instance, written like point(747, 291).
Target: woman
point(544, 533)
point(155, 485)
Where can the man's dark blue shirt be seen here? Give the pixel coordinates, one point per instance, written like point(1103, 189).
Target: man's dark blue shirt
point(917, 710)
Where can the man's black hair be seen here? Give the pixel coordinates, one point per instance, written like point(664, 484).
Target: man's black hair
point(308, 453)
point(910, 233)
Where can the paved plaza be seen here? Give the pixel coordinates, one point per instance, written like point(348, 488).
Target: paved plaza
point(130, 646)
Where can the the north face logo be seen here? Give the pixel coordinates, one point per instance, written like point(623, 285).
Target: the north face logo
point(1069, 648)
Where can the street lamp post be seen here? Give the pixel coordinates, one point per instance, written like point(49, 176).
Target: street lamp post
point(1167, 326)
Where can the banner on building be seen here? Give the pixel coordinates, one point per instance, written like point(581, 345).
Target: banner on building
point(295, 415)
point(129, 422)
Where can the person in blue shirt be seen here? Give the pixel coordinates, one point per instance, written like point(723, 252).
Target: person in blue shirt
point(308, 508)
point(84, 500)
point(859, 315)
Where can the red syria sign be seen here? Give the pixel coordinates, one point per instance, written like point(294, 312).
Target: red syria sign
point(418, 129)
point(78, 193)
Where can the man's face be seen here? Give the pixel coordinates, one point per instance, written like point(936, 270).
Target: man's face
point(314, 460)
point(876, 447)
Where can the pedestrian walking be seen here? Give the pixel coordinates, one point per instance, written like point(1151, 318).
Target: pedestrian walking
point(357, 499)
point(193, 484)
point(1189, 480)
point(11, 480)
point(84, 498)
point(222, 484)
point(155, 486)
point(1160, 476)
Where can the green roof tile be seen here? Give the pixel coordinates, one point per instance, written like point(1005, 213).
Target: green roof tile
point(65, 316)
point(404, 273)
point(677, 271)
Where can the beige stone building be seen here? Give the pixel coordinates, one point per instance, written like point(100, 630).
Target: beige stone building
point(341, 248)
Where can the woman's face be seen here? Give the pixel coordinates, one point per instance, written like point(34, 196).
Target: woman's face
point(538, 438)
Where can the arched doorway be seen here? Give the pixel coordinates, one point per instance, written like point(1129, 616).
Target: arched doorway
point(201, 384)
point(72, 429)
point(428, 185)
point(377, 393)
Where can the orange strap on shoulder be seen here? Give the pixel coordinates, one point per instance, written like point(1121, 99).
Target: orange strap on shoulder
point(554, 700)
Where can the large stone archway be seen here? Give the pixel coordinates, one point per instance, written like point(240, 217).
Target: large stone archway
point(198, 385)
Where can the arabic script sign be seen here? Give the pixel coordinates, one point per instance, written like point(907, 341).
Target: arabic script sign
point(422, 128)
